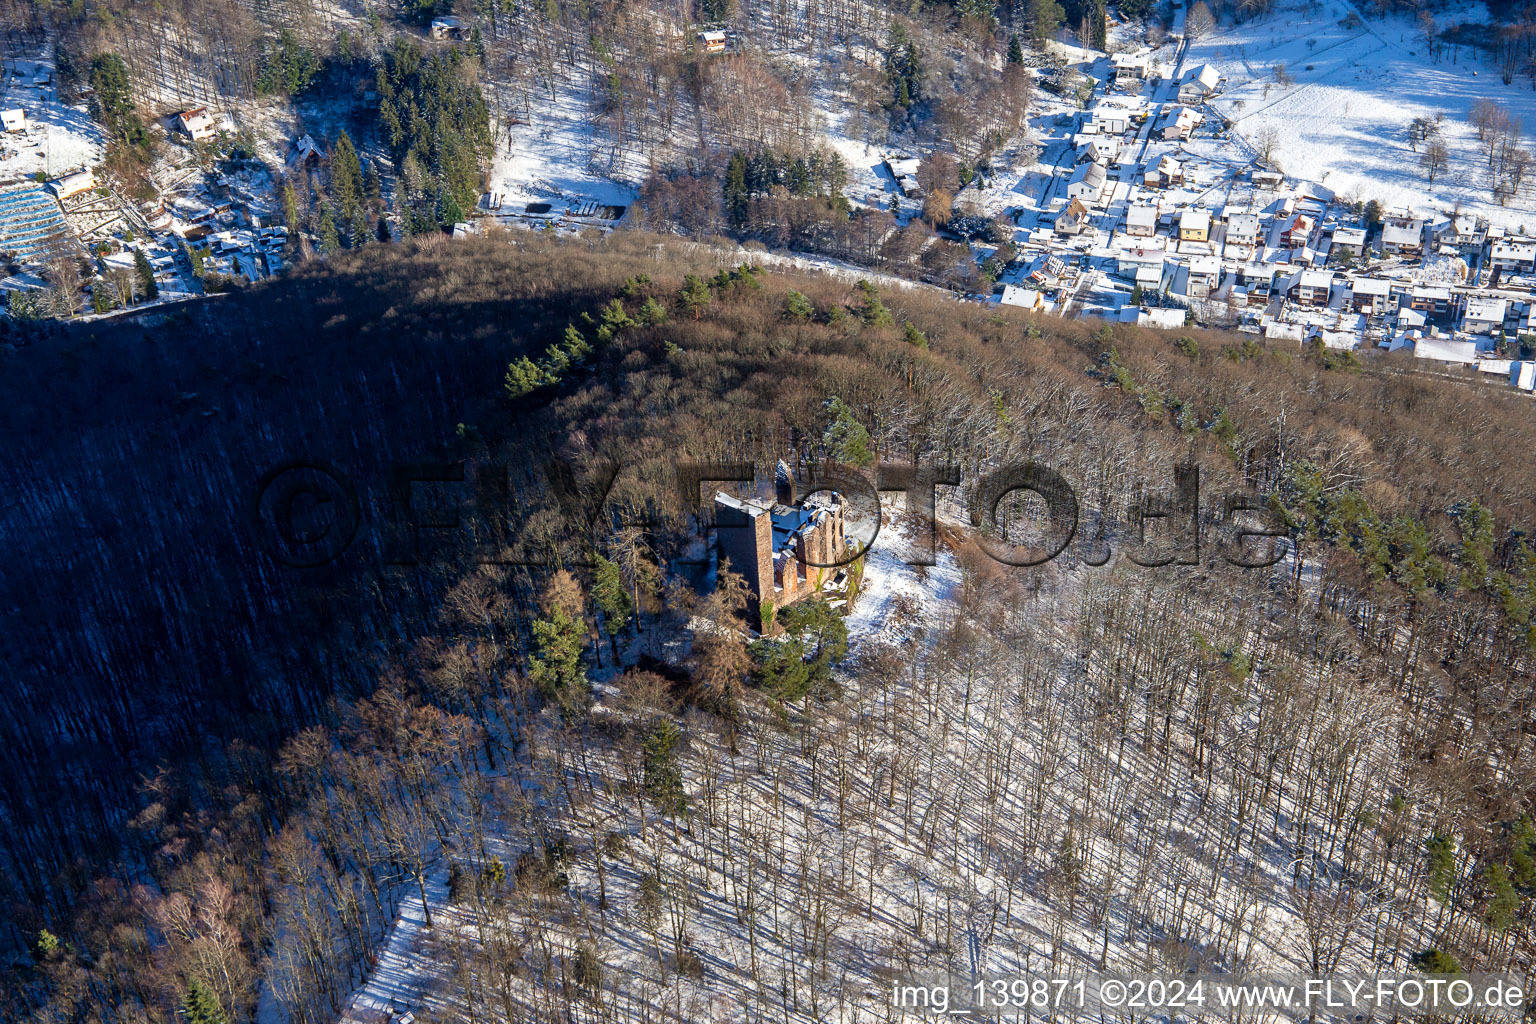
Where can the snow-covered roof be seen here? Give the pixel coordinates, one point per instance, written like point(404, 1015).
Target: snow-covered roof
point(1349, 236)
point(1141, 215)
point(1204, 265)
point(13, 120)
point(1195, 220)
point(1316, 279)
point(1205, 75)
point(1243, 224)
point(1486, 309)
point(1013, 295)
point(1370, 286)
point(1393, 234)
point(1446, 350)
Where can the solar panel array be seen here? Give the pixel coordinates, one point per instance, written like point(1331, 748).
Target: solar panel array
point(29, 219)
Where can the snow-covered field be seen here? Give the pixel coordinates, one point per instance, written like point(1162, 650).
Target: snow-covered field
point(59, 138)
point(1343, 121)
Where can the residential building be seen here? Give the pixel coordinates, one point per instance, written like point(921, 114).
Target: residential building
point(1200, 84)
point(1141, 220)
point(72, 184)
point(1087, 183)
point(1243, 229)
point(1031, 299)
point(1179, 124)
point(713, 42)
point(196, 124)
point(1073, 220)
point(1168, 172)
point(1311, 288)
point(1195, 225)
point(1512, 257)
point(1348, 241)
point(1130, 68)
point(1403, 237)
point(1484, 314)
point(1297, 232)
point(1204, 273)
point(1370, 295)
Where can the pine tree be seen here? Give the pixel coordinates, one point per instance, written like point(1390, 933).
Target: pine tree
point(846, 437)
point(330, 240)
point(609, 593)
point(663, 778)
point(737, 198)
point(373, 186)
point(346, 178)
point(1015, 51)
point(200, 1006)
point(555, 665)
point(145, 274)
point(798, 306)
point(695, 294)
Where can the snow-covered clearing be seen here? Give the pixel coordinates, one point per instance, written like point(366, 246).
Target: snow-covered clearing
point(58, 138)
point(1343, 121)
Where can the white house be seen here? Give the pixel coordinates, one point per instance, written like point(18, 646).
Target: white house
point(1403, 238)
point(1101, 149)
point(1512, 257)
point(1178, 124)
point(1312, 287)
point(1073, 220)
point(1243, 229)
point(14, 120)
point(1484, 315)
point(1204, 273)
point(1110, 118)
point(196, 124)
point(1133, 67)
point(1087, 183)
point(1141, 220)
point(1200, 84)
point(1349, 241)
point(1028, 298)
point(72, 184)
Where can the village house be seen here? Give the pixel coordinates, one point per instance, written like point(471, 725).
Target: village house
point(14, 120)
point(1168, 172)
point(1141, 220)
point(1087, 183)
point(1254, 281)
point(1270, 181)
point(1446, 350)
point(1073, 220)
point(1310, 287)
point(1195, 225)
point(1204, 272)
point(1110, 118)
point(1348, 241)
point(1484, 314)
point(1031, 299)
point(1431, 300)
point(1512, 257)
point(196, 124)
point(1243, 229)
point(1101, 149)
point(1130, 69)
point(447, 27)
point(1297, 232)
point(1200, 84)
point(713, 41)
point(73, 184)
point(1403, 237)
point(1179, 123)
point(782, 549)
point(1370, 295)
point(904, 171)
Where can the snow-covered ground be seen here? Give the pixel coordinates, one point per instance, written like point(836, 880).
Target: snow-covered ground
point(1343, 121)
point(59, 137)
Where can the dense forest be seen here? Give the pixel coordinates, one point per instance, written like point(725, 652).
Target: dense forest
point(229, 774)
